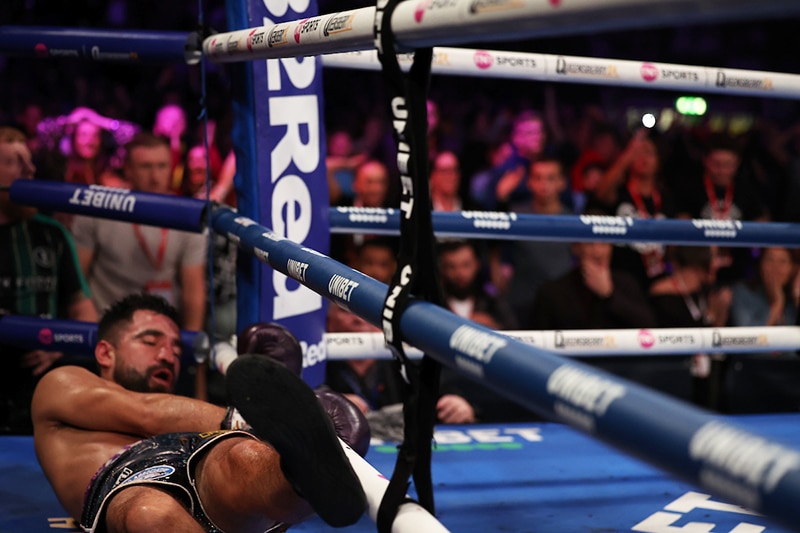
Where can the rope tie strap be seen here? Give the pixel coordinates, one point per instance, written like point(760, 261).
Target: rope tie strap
point(416, 271)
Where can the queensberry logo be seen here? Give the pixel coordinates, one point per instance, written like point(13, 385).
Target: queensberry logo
point(585, 69)
point(720, 340)
point(338, 23)
point(727, 81)
point(278, 36)
point(486, 6)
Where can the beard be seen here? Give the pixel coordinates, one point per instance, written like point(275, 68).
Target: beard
point(459, 292)
point(134, 381)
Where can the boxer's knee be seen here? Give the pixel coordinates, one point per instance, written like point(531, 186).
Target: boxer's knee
point(144, 509)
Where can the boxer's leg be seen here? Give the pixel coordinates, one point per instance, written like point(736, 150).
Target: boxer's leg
point(284, 412)
point(242, 487)
point(144, 509)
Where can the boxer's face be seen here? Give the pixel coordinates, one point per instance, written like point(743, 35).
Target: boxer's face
point(147, 353)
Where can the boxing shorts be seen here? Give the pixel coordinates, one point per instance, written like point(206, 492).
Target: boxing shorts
point(164, 461)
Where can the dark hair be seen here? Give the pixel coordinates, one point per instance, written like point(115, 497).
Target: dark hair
point(692, 256)
point(722, 142)
point(145, 139)
point(451, 245)
point(122, 311)
point(387, 243)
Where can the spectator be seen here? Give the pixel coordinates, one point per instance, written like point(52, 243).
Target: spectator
point(375, 385)
point(371, 186)
point(170, 123)
point(631, 188)
point(445, 183)
point(520, 267)
point(224, 250)
point(464, 290)
point(592, 295)
point(508, 184)
point(767, 299)
point(93, 431)
point(167, 262)
point(84, 147)
point(341, 162)
point(722, 192)
point(496, 153)
point(39, 276)
point(685, 299)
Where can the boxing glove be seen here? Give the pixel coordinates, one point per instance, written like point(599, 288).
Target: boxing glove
point(274, 341)
point(349, 422)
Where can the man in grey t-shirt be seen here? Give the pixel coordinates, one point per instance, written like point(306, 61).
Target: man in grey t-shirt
point(120, 258)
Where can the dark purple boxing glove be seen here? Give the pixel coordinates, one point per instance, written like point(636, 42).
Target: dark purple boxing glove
point(349, 422)
point(274, 341)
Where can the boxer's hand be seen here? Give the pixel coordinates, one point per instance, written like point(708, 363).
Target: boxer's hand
point(233, 420)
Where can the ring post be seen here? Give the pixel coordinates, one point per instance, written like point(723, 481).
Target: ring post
point(279, 141)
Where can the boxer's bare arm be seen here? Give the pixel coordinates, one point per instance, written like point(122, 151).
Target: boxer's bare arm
point(75, 397)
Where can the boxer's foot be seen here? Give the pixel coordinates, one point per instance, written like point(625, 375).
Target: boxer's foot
point(284, 412)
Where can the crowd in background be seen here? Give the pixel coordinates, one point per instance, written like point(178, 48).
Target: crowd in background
point(535, 148)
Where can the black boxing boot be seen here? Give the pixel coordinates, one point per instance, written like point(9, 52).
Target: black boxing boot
point(349, 422)
point(284, 411)
point(272, 340)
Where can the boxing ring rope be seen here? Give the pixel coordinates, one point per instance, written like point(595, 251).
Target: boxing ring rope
point(188, 214)
point(590, 70)
point(79, 338)
point(153, 46)
point(571, 228)
point(417, 25)
point(602, 342)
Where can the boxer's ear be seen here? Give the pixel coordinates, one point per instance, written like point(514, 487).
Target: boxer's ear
point(104, 354)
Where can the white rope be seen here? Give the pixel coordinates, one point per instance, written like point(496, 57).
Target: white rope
point(421, 24)
point(602, 342)
point(590, 70)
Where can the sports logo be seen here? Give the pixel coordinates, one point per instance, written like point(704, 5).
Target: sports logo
point(255, 38)
point(483, 59)
point(646, 338)
point(45, 336)
point(305, 26)
point(649, 72)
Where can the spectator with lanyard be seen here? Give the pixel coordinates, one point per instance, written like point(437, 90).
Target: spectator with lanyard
point(631, 188)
